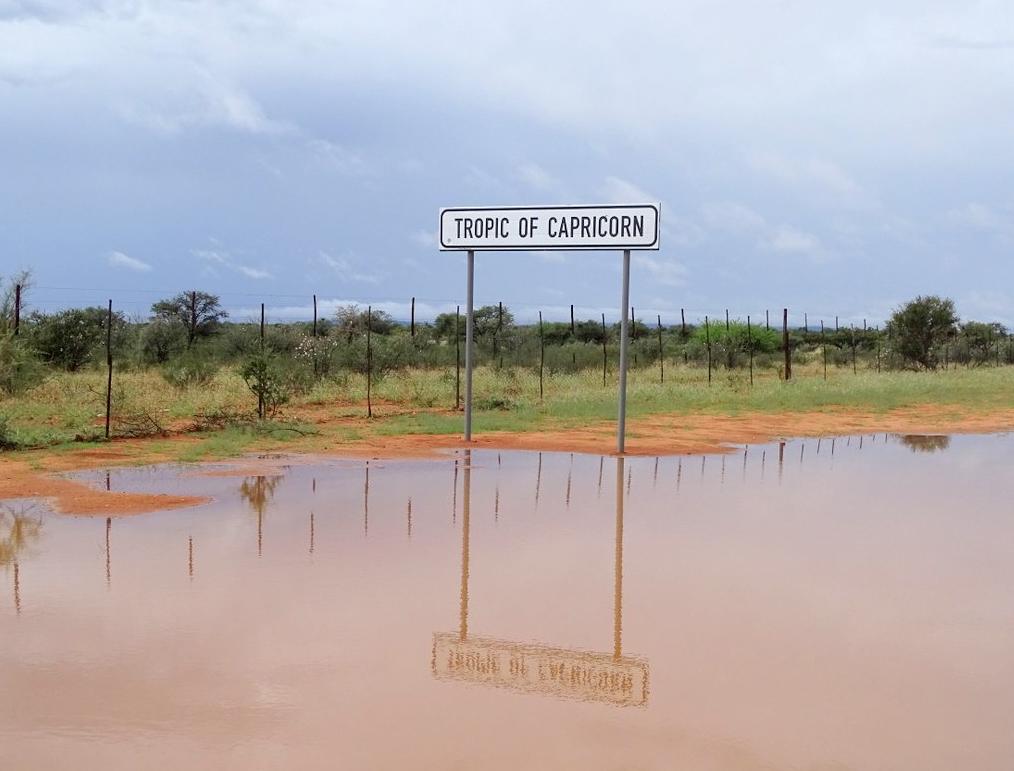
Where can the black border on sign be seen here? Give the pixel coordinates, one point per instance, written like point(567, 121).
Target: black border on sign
point(550, 247)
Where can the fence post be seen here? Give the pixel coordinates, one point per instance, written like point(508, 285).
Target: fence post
point(412, 319)
point(726, 319)
point(767, 320)
point(683, 334)
point(806, 323)
point(785, 344)
point(707, 344)
point(604, 355)
point(661, 358)
point(369, 361)
point(457, 358)
point(17, 309)
point(749, 342)
point(260, 392)
point(192, 329)
point(109, 365)
point(542, 355)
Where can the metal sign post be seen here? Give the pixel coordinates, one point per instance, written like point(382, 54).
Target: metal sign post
point(621, 424)
point(469, 334)
point(550, 228)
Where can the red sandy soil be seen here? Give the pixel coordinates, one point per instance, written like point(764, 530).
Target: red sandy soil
point(33, 474)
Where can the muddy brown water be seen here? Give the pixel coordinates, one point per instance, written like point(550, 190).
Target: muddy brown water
point(841, 605)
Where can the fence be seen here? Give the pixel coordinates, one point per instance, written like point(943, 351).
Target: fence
point(559, 341)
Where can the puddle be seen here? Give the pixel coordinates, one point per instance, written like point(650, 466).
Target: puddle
point(846, 603)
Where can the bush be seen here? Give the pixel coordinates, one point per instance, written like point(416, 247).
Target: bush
point(266, 380)
point(918, 329)
point(73, 338)
point(190, 370)
point(19, 369)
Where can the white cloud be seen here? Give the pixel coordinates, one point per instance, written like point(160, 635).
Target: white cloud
point(337, 156)
point(345, 268)
point(121, 260)
point(218, 257)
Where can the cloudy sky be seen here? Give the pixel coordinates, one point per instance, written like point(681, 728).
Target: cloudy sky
point(835, 157)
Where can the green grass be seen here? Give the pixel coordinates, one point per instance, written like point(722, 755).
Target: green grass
point(68, 405)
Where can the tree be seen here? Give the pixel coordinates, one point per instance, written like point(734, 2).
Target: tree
point(199, 313)
point(980, 337)
point(70, 338)
point(920, 326)
point(351, 321)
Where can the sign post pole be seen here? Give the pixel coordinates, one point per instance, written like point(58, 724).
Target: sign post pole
point(621, 426)
point(469, 333)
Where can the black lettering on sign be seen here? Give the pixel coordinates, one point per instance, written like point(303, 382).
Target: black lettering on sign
point(552, 223)
point(639, 226)
point(625, 226)
point(534, 225)
point(457, 222)
point(523, 227)
point(586, 227)
point(614, 226)
point(468, 228)
point(602, 226)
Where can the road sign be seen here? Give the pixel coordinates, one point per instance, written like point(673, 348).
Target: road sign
point(534, 668)
point(607, 226)
point(566, 228)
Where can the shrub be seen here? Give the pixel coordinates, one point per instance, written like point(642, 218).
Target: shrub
point(918, 328)
point(19, 369)
point(72, 338)
point(190, 370)
point(265, 379)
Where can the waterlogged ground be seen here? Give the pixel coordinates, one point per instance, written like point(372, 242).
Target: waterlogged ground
point(846, 604)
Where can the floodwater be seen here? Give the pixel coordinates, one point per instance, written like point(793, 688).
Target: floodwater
point(846, 604)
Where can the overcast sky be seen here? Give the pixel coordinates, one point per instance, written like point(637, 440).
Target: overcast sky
point(835, 157)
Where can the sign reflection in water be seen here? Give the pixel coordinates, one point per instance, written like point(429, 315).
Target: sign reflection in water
point(610, 678)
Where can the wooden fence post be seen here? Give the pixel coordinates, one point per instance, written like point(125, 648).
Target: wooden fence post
point(412, 319)
point(369, 362)
point(707, 343)
point(542, 355)
point(749, 342)
point(315, 315)
point(683, 334)
point(109, 365)
point(785, 344)
point(661, 358)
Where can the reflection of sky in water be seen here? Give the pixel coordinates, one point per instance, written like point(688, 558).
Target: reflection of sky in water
point(842, 602)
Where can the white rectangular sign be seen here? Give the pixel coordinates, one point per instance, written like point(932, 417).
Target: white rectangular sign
point(608, 226)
